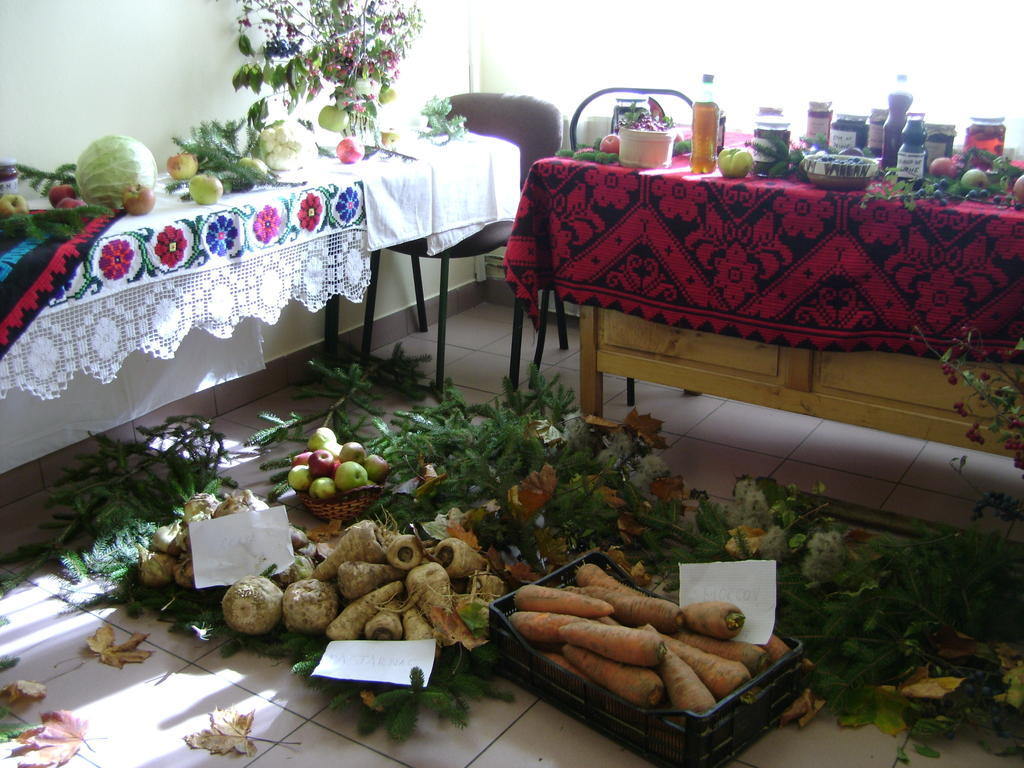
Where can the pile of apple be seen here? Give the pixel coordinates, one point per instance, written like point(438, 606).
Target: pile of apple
point(329, 468)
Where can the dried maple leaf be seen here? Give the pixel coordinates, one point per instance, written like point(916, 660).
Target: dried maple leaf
point(610, 495)
point(629, 527)
point(550, 547)
point(451, 629)
point(537, 489)
point(101, 642)
point(54, 742)
point(370, 700)
point(495, 559)
point(669, 488)
point(803, 709)
point(950, 644)
point(647, 428)
point(228, 733)
point(23, 689)
point(456, 531)
point(324, 532)
point(920, 686)
point(751, 539)
point(602, 423)
point(522, 573)
point(858, 536)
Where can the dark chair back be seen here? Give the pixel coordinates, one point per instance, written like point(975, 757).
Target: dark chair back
point(533, 125)
point(574, 122)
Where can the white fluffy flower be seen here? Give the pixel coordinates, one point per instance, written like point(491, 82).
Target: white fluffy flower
point(826, 556)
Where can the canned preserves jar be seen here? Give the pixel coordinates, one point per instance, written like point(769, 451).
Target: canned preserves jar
point(8, 175)
point(987, 133)
point(766, 128)
point(849, 131)
point(939, 140)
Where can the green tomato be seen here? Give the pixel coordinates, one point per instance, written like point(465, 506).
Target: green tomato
point(735, 163)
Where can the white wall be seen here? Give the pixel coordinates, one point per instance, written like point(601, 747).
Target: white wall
point(75, 70)
point(783, 53)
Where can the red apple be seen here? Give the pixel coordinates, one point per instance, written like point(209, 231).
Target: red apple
point(301, 459)
point(70, 202)
point(184, 165)
point(943, 166)
point(321, 463)
point(349, 150)
point(59, 192)
point(610, 143)
point(139, 200)
point(1018, 189)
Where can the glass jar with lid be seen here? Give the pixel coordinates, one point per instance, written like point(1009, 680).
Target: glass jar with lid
point(819, 120)
point(769, 129)
point(849, 131)
point(939, 140)
point(987, 133)
point(8, 175)
point(876, 131)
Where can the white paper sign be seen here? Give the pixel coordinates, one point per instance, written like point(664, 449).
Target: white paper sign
point(230, 548)
point(377, 661)
point(748, 584)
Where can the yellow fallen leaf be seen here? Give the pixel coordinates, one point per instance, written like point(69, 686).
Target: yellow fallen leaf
point(23, 689)
point(751, 538)
point(54, 742)
point(920, 686)
point(101, 642)
point(803, 709)
point(228, 733)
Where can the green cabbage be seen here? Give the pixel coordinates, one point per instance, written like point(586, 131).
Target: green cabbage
point(109, 165)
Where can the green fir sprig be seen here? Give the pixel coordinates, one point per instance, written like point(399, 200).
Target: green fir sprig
point(58, 223)
point(42, 181)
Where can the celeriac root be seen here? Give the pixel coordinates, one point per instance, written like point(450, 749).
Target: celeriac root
point(458, 558)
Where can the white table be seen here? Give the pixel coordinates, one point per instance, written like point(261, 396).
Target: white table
point(149, 280)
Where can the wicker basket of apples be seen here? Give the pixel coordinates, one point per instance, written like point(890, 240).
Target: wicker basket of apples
point(336, 481)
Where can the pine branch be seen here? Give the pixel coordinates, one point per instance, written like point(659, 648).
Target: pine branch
point(42, 181)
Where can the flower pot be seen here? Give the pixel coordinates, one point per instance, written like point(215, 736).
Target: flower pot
point(645, 149)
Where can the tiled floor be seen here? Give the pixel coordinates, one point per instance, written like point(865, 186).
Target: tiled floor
point(138, 715)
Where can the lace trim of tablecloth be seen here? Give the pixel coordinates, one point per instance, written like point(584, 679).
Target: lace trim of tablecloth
point(155, 317)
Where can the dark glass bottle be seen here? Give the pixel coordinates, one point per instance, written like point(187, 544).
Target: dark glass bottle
point(899, 102)
point(912, 157)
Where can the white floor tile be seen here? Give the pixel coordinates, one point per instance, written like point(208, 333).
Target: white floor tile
point(859, 450)
point(754, 428)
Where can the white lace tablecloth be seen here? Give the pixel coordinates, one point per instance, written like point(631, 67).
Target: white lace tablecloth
point(149, 280)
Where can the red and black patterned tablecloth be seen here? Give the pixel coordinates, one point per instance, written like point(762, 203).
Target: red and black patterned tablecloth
point(769, 260)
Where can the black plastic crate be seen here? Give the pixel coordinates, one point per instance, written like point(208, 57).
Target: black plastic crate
point(688, 739)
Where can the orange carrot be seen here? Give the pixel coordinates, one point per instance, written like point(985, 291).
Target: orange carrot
point(721, 676)
point(639, 686)
point(776, 648)
point(625, 644)
point(635, 609)
point(560, 660)
point(590, 575)
point(753, 657)
point(607, 620)
point(714, 618)
point(547, 599)
point(685, 690)
point(537, 627)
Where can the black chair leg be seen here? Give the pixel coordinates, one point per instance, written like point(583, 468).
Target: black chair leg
point(517, 342)
point(563, 336)
point(371, 305)
point(331, 313)
point(417, 284)
point(542, 328)
point(630, 391)
point(442, 322)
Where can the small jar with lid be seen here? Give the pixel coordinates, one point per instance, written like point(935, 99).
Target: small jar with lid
point(939, 140)
point(8, 175)
point(876, 131)
point(819, 120)
point(987, 133)
point(768, 127)
point(849, 131)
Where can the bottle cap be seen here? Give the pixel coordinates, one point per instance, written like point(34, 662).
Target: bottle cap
point(915, 116)
point(987, 120)
point(901, 78)
point(8, 161)
point(708, 79)
point(855, 118)
point(819, 106)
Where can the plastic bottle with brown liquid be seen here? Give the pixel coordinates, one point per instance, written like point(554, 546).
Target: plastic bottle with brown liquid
point(704, 141)
point(892, 132)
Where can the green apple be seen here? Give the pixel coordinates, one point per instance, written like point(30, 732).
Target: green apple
point(299, 477)
point(183, 165)
point(735, 163)
point(387, 95)
point(320, 438)
point(376, 468)
point(352, 451)
point(256, 163)
point(389, 139)
point(205, 189)
point(333, 119)
point(974, 178)
point(334, 448)
point(349, 475)
point(11, 205)
point(323, 488)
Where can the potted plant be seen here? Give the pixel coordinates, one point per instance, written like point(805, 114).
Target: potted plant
point(302, 48)
point(645, 139)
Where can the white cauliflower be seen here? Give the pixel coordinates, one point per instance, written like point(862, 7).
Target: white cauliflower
point(287, 146)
